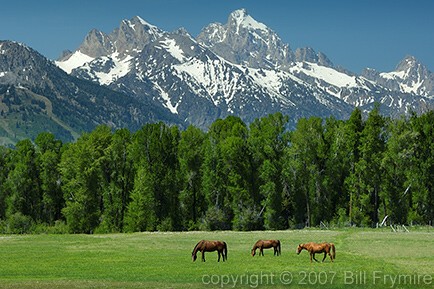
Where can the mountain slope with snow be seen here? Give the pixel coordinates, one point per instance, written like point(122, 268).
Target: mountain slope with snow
point(242, 68)
point(37, 96)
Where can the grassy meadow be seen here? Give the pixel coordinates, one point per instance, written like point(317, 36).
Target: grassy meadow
point(365, 258)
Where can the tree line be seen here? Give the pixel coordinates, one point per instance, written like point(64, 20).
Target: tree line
point(232, 177)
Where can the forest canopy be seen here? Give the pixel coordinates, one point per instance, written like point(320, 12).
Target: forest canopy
point(232, 177)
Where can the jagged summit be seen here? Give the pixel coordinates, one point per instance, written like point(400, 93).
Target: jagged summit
point(240, 18)
point(243, 40)
point(125, 41)
point(412, 67)
point(241, 67)
point(308, 54)
point(138, 20)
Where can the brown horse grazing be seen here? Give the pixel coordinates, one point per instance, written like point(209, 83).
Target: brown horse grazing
point(209, 246)
point(266, 244)
point(313, 248)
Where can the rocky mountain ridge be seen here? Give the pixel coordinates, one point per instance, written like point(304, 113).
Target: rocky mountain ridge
point(242, 67)
point(140, 73)
point(36, 96)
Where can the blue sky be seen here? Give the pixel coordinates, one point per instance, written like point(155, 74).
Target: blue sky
point(352, 33)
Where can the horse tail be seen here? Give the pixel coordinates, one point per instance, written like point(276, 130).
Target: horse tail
point(225, 251)
point(333, 250)
point(278, 247)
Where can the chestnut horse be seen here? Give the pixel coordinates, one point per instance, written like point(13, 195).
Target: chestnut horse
point(313, 248)
point(266, 244)
point(209, 246)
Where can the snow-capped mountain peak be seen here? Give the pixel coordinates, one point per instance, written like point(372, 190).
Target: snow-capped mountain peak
point(243, 40)
point(138, 20)
point(114, 50)
point(241, 67)
point(410, 76)
point(240, 18)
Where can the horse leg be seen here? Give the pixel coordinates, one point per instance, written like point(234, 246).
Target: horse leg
point(315, 258)
point(203, 256)
point(262, 251)
point(218, 252)
point(325, 255)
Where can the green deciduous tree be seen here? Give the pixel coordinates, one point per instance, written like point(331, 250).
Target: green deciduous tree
point(422, 174)
point(190, 155)
point(4, 171)
point(267, 140)
point(233, 176)
point(48, 157)
point(119, 181)
point(368, 167)
point(305, 170)
point(154, 150)
point(84, 167)
point(397, 164)
point(24, 195)
point(227, 175)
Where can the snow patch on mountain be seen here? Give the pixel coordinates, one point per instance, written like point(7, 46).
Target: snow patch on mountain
point(142, 22)
point(327, 74)
point(120, 68)
point(212, 76)
point(243, 19)
point(413, 87)
point(174, 49)
point(241, 67)
point(273, 81)
point(165, 96)
point(77, 59)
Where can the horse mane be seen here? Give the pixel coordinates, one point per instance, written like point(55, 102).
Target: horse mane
point(255, 246)
point(196, 247)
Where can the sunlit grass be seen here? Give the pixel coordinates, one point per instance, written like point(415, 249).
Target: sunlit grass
point(365, 259)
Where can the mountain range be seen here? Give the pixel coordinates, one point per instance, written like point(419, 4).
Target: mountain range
point(140, 73)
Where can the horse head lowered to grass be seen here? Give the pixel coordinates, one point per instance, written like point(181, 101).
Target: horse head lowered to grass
point(313, 248)
point(210, 246)
point(266, 244)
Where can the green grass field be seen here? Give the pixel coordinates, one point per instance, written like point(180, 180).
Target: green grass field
point(364, 259)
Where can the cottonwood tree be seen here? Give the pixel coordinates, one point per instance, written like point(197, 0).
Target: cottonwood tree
point(156, 185)
point(48, 150)
point(83, 167)
point(267, 140)
point(190, 155)
point(23, 182)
